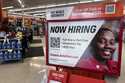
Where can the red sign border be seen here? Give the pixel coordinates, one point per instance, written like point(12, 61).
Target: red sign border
point(90, 70)
point(119, 52)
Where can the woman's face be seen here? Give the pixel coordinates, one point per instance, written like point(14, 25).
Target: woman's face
point(106, 45)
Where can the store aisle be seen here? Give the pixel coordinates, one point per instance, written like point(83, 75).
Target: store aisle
point(36, 47)
point(31, 71)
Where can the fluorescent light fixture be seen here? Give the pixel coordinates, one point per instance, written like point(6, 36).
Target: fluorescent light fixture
point(9, 7)
point(20, 14)
point(49, 6)
point(21, 3)
point(42, 11)
point(31, 8)
point(17, 14)
point(42, 14)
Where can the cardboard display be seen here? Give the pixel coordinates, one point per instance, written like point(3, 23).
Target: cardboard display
point(86, 38)
point(82, 79)
point(64, 77)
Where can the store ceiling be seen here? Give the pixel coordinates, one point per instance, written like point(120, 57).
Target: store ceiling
point(36, 3)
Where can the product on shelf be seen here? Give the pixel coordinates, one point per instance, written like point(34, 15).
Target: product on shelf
point(10, 49)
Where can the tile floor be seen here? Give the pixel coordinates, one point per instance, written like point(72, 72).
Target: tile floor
point(32, 70)
point(27, 72)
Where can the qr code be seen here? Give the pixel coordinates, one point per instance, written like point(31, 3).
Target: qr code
point(55, 42)
point(110, 9)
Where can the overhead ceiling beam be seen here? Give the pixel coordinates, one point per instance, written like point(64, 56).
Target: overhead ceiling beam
point(48, 6)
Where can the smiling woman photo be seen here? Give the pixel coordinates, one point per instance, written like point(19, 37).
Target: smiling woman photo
point(100, 53)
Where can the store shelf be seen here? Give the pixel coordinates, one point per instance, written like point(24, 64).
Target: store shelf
point(10, 39)
point(11, 49)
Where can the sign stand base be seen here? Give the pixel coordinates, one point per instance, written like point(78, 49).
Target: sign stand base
point(95, 75)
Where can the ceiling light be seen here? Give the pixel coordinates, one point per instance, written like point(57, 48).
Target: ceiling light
point(10, 7)
point(49, 6)
point(42, 11)
point(17, 14)
point(31, 8)
point(20, 14)
point(43, 14)
point(21, 3)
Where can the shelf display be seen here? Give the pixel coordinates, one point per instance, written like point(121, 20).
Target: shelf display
point(10, 49)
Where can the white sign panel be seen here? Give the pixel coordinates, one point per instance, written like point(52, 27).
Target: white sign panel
point(59, 13)
point(69, 40)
